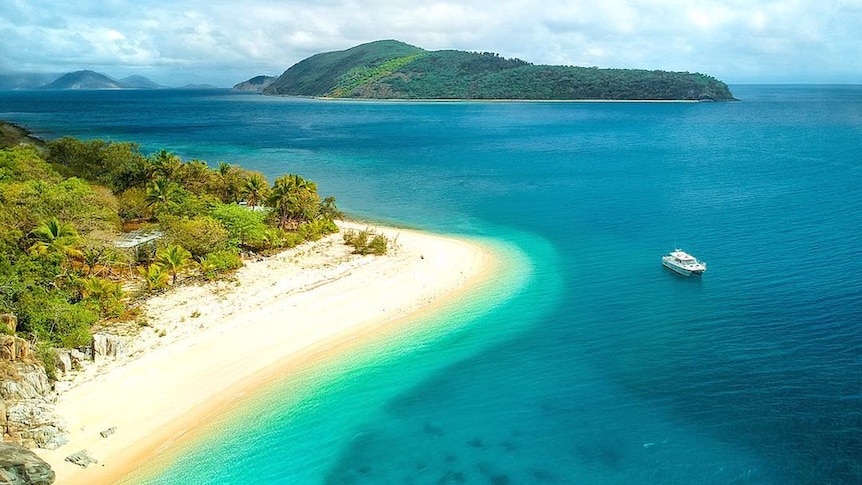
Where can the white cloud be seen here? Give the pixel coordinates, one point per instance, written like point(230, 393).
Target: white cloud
point(224, 42)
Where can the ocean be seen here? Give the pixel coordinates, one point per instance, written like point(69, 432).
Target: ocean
point(586, 362)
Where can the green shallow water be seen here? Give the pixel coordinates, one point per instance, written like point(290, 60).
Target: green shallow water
point(313, 414)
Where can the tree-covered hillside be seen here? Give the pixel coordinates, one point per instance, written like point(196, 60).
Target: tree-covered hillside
point(321, 73)
point(393, 70)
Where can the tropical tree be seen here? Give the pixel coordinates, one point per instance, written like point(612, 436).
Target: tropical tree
point(165, 164)
point(161, 194)
point(104, 293)
point(294, 200)
point(92, 256)
point(256, 188)
point(155, 276)
point(174, 259)
point(55, 237)
point(196, 177)
point(232, 182)
point(328, 209)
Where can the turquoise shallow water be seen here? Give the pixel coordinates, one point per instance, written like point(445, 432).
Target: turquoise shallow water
point(604, 368)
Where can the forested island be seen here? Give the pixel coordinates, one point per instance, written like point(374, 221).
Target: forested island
point(389, 69)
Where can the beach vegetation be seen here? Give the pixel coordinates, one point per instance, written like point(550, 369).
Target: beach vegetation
point(216, 263)
point(64, 207)
point(161, 195)
point(294, 200)
point(133, 205)
point(55, 237)
point(155, 277)
point(246, 228)
point(199, 235)
point(256, 189)
point(174, 259)
point(105, 295)
point(366, 241)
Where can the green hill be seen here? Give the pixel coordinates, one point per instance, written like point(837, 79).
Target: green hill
point(389, 69)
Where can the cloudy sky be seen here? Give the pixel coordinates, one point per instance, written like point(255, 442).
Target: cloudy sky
point(223, 42)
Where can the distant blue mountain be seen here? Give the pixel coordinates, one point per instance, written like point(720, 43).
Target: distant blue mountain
point(93, 80)
point(25, 80)
point(140, 82)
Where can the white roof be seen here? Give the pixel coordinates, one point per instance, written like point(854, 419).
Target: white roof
point(137, 237)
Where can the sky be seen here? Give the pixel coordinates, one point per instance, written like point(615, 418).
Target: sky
point(218, 42)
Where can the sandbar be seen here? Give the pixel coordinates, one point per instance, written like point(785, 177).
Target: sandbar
point(202, 345)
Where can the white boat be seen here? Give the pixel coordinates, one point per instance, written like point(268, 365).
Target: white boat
point(683, 263)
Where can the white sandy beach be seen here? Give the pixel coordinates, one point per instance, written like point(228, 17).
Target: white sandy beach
point(207, 344)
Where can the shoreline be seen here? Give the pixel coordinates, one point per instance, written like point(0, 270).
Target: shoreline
point(221, 341)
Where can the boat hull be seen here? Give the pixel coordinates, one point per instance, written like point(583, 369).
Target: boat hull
point(680, 270)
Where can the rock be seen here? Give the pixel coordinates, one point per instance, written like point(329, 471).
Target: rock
point(14, 349)
point(105, 345)
point(64, 361)
point(81, 458)
point(31, 383)
point(79, 358)
point(108, 432)
point(33, 423)
point(20, 466)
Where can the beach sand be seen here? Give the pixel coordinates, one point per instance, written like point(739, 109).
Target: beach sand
point(206, 345)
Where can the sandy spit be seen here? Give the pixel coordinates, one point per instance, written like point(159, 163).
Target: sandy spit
point(205, 344)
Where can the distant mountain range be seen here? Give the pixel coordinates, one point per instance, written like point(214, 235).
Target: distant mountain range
point(81, 80)
point(389, 69)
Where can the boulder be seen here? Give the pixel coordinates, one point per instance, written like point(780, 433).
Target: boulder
point(105, 345)
point(20, 466)
point(14, 349)
point(64, 361)
point(31, 382)
point(33, 423)
point(81, 458)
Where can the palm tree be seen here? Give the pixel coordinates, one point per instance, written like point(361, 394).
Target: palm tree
point(255, 188)
point(174, 259)
point(160, 194)
point(294, 199)
point(53, 236)
point(223, 168)
point(154, 275)
point(232, 182)
point(165, 164)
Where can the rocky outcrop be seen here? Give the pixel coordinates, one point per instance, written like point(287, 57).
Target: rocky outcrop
point(105, 345)
point(30, 382)
point(26, 414)
point(14, 349)
point(81, 458)
point(33, 423)
point(20, 466)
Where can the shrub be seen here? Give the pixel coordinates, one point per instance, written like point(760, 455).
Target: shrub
point(133, 204)
point(246, 228)
point(219, 262)
point(200, 235)
point(366, 242)
point(316, 229)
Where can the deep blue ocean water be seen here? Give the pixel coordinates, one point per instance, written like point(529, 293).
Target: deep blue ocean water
point(588, 362)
